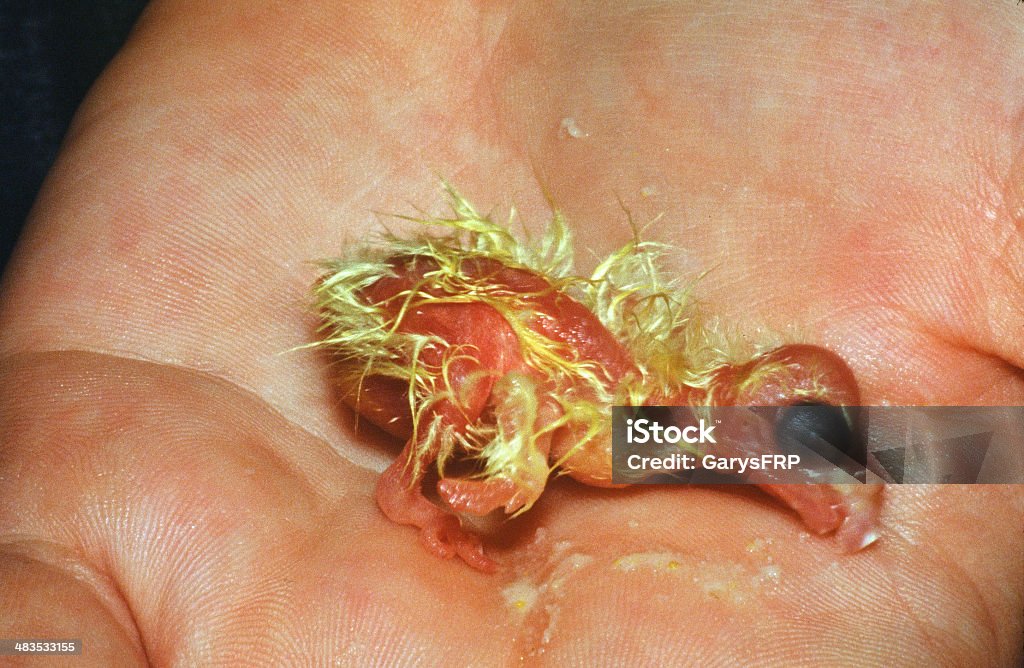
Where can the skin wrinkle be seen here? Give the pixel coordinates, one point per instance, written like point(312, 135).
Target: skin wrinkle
point(941, 553)
point(78, 566)
point(919, 623)
point(114, 565)
point(989, 621)
point(335, 447)
point(935, 637)
point(121, 643)
point(23, 359)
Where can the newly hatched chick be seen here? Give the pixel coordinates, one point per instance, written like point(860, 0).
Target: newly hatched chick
point(478, 346)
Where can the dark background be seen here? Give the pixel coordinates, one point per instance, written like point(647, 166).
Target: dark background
point(50, 53)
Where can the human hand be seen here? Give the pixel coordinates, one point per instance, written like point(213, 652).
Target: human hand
point(177, 487)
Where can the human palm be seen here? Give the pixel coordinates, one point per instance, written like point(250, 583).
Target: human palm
point(180, 485)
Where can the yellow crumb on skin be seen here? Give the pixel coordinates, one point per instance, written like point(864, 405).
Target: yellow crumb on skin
point(520, 595)
point(758, 545)
point(733, 583)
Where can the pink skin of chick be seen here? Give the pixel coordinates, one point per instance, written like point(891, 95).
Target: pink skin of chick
point(785, 376)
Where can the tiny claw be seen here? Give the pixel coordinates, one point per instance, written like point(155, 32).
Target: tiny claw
point(472, 552)
point(861, 507)
point(437, 538)
point(446, 539)
point(855, 541)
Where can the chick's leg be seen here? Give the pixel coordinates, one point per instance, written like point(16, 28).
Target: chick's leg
point(400, 498)
point(400, 489)
point(516, 460)
point(800, 375)
point(852, 511)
